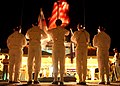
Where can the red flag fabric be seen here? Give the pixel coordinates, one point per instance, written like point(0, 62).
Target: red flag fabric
point(60, 10)
point(42, 24)
point(41, 20)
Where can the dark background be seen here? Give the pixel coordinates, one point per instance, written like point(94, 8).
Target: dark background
point(90, 13)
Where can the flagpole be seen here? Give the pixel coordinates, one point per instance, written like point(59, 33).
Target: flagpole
point(84, 12)
point(71, 48)
point(22, 13)
point(58, 9)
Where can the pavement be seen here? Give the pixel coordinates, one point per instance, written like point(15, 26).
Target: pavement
point(4, 83)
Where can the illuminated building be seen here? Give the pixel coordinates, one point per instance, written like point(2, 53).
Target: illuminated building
point(46, 65)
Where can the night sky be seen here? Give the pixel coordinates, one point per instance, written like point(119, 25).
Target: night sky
point(91, 13)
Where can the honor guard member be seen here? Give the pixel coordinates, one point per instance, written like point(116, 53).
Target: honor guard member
point(117, 63)
point(15, 43)
point(58, 50)
point(102, 42)
point(81, 38)
point(35, 34)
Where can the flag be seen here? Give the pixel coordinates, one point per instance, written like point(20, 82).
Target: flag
point(41, 20)
point(60, 10)
point(42, 24)
point(72, 50)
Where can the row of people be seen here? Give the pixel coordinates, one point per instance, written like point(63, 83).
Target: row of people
point(17, 41)
point(102, 42)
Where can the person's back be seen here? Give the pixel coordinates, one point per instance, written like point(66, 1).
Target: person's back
point(58, 50)
point(15, 42)
point(102, 40)
point(58, 35)
point(81, 38)
point(34, 34)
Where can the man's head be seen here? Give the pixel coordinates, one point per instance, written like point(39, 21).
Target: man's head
point(79, 27)
point(6, 56)
point(35, 24)
point(18, 28)
point(115, 49)
point(58, 22)
point(100, 28)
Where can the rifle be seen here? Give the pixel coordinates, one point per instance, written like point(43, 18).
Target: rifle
point(71, 48)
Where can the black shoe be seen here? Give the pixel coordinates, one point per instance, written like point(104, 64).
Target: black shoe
point(16, 82)
point(108, 83)
point(102, 83)
point(10, 82)
point(29, 82)
point(55, 82)
point(83, 83)
point(79, 83)
point(61, 83)
point(36, 82)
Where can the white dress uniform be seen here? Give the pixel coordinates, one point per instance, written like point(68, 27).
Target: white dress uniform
point(117, 64)
point(102, 42)
point(58, 50)
point(81, 38)
point(34, 34)
point(15, 43)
